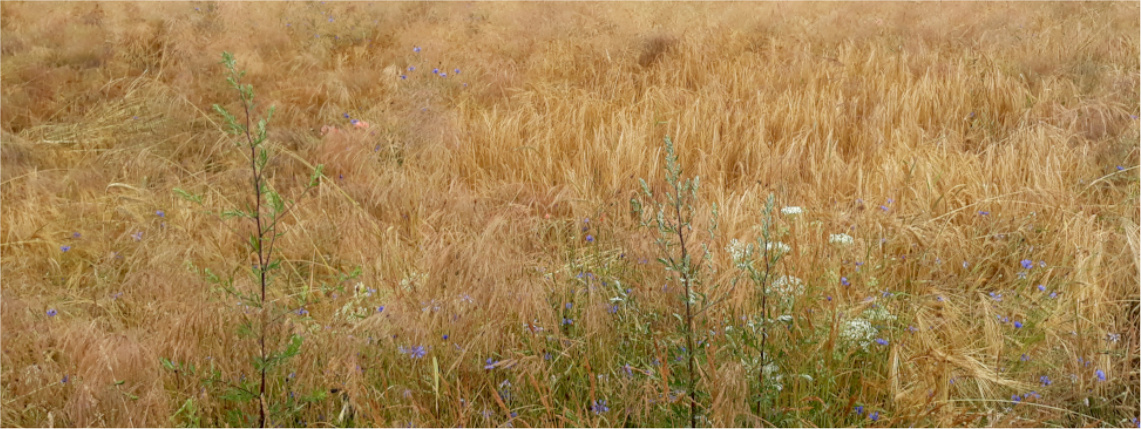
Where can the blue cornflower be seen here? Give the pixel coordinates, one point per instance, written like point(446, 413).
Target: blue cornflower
point(547, 356)
point(1016, 398)
point(1041, 288)
point(589, 238)
point(939, 298)
point(380, 309)
point(445, 337)
point(346, 115)
point(1053, 295)
point(403, 77)
point(881, 341)
point(983, 213)
point(884, 208)
point(52, 312)
point(859, 409)
point(302, 311)
point(569, 305)
point(613, 309)
point(65, 378)
point(411, 68)
point(996, 297)
point(1120, 168)
point(354, 121)
point(1100, 375)
point(1045, 380)
point(75, 235)
point(330, 19)
point(64, 248)
point(1027, 264)
point(629, 370)
point(1017, 325)
point(444, 74)
point(490, 364)
point(436, 71)
point(600, 407)
point(874, 416)
point(417, 352)
point(457, 71)
point(416, 49)
point(1024, 357)
point(567, 321)
point(844, 281)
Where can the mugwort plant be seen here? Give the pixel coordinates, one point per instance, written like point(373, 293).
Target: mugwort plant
point(264, 214)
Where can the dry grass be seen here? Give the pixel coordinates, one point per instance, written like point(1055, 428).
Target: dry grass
point(463, 205)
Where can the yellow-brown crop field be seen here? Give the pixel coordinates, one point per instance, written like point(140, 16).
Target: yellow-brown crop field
point(569, 214)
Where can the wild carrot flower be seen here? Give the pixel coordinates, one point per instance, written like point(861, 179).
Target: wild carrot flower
point(791, 211)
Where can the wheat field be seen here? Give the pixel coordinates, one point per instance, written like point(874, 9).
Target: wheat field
point(954, 206)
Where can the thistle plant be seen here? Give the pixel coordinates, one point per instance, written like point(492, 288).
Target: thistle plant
point(265, 213)
point(673, 220)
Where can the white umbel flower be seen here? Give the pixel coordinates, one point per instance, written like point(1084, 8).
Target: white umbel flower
point(778, 247)
point(841, 238)
point(791, 211)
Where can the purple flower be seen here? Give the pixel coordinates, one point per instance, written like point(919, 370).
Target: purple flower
point(1053, 295)
point(1016, 398)
point(403, 77)
point(884, 208)
point(1045, 380)
point(436, 71)
point(490, 364)
point(411, 68)
point(52, 312)
point(567, 321)
point(445, 74)
point(589, 238)
point(380, 309)
point(1027, 264)
point(416, 49)
point(1041, 288)
point(844, 281)
point(569, 305)
point(996, 297)
point(859, 409)
point(1017, 325)
point(983, 213)
point(75, 235)
point(1024, 357)
point(65, 378)
point(881, 341)
point(64, 248)
point(1100, 375)
point(1120, 168)
point(417, 352)
point(874, 416)
point(346, 115)
point(457, 71)
point(600, 407)
point(613, 309)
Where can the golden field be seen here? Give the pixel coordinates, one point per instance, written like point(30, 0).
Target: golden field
point(470, 257)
